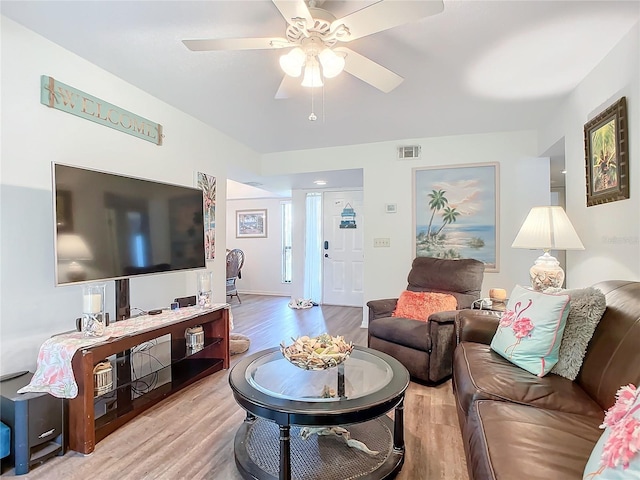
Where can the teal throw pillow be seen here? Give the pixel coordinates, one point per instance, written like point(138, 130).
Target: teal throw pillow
point(530, 329)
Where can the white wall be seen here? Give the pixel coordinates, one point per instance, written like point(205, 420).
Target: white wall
point(33, 136)
point(524, 182)
point(262, 271)
point(609, 232)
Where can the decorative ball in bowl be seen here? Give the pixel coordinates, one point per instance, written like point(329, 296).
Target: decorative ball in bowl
point(317, 353)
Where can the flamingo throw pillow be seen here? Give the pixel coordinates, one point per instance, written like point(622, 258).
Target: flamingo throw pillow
point(530, 330)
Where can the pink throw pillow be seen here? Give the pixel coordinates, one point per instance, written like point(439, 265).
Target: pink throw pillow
point(615, 456)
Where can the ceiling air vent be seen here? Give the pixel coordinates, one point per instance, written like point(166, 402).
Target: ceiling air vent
point(412, 151)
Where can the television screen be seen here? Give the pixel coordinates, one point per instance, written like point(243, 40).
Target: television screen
point(111, 226)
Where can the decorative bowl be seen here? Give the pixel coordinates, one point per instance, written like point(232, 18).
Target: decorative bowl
point(317, 353)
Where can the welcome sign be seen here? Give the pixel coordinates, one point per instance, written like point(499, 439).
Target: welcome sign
point(55, 94)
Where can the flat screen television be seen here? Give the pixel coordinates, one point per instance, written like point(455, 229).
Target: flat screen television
point(110, 226)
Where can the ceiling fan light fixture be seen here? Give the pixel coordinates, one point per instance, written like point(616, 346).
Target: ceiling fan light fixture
point(292, 62)
point(332, 63)
point(312, 32)
point(312, 77)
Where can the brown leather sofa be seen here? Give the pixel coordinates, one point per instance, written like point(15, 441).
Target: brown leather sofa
point(426, 348)
point(516, 425)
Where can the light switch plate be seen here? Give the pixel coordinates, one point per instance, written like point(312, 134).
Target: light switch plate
point(381, 242)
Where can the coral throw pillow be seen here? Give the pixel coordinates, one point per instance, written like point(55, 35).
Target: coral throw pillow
point(420, 305)
point(615, 456)
point(531, 328)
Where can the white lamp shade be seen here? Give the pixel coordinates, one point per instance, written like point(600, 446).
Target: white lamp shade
point(312, 76)
point(547, 228)
point(292, 62)
point(332, 63)
point(73, 247)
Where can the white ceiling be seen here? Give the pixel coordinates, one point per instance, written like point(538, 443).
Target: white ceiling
point(479, 66)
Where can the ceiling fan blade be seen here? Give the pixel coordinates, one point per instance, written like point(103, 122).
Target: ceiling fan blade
point(287, 87)
point(384, 15)
point(291, 9)
point(369, 71)
point(204, 45)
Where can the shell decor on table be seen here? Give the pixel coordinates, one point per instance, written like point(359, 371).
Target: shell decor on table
point(317, 353)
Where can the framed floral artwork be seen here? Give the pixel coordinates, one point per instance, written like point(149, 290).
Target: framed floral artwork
point(251, 223)
point(606, 143)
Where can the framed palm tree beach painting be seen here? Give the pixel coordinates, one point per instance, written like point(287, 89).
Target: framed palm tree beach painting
point(455, 213)
point(607, 155)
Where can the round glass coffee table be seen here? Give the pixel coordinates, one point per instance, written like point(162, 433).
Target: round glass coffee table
point(344, 405)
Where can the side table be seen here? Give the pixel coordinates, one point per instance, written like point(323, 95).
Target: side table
point(488, 304)
point(36, 421)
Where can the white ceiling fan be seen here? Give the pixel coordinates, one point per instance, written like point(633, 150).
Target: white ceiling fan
point(313, 36)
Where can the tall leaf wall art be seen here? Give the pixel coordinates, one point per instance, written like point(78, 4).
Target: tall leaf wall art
point(207, 184)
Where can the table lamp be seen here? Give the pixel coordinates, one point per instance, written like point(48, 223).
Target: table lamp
point(547, 228)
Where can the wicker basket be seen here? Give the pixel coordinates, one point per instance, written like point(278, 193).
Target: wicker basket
point(102, 378)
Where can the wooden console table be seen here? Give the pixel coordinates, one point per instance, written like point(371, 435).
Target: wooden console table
point(85, 430)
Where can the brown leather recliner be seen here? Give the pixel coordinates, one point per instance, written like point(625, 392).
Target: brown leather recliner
point(426, 348)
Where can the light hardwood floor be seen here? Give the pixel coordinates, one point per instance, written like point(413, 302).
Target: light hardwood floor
point(190, 435)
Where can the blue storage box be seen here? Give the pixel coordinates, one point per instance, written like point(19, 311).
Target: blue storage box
point(5, 440)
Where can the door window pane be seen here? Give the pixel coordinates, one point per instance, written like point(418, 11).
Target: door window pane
point(286, 242)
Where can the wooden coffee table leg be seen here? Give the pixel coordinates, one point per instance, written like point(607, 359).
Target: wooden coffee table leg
point(398, 426)
point(285, 453)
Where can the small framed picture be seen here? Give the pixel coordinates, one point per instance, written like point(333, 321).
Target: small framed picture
point(390, 208)
point(251, 223)
point(607, 155)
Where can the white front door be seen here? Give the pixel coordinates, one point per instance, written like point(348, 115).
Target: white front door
point(343, 252)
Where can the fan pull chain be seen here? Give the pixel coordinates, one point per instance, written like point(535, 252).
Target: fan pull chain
point(312, 117)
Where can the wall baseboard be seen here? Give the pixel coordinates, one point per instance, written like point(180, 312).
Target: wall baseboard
point(270, 294)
